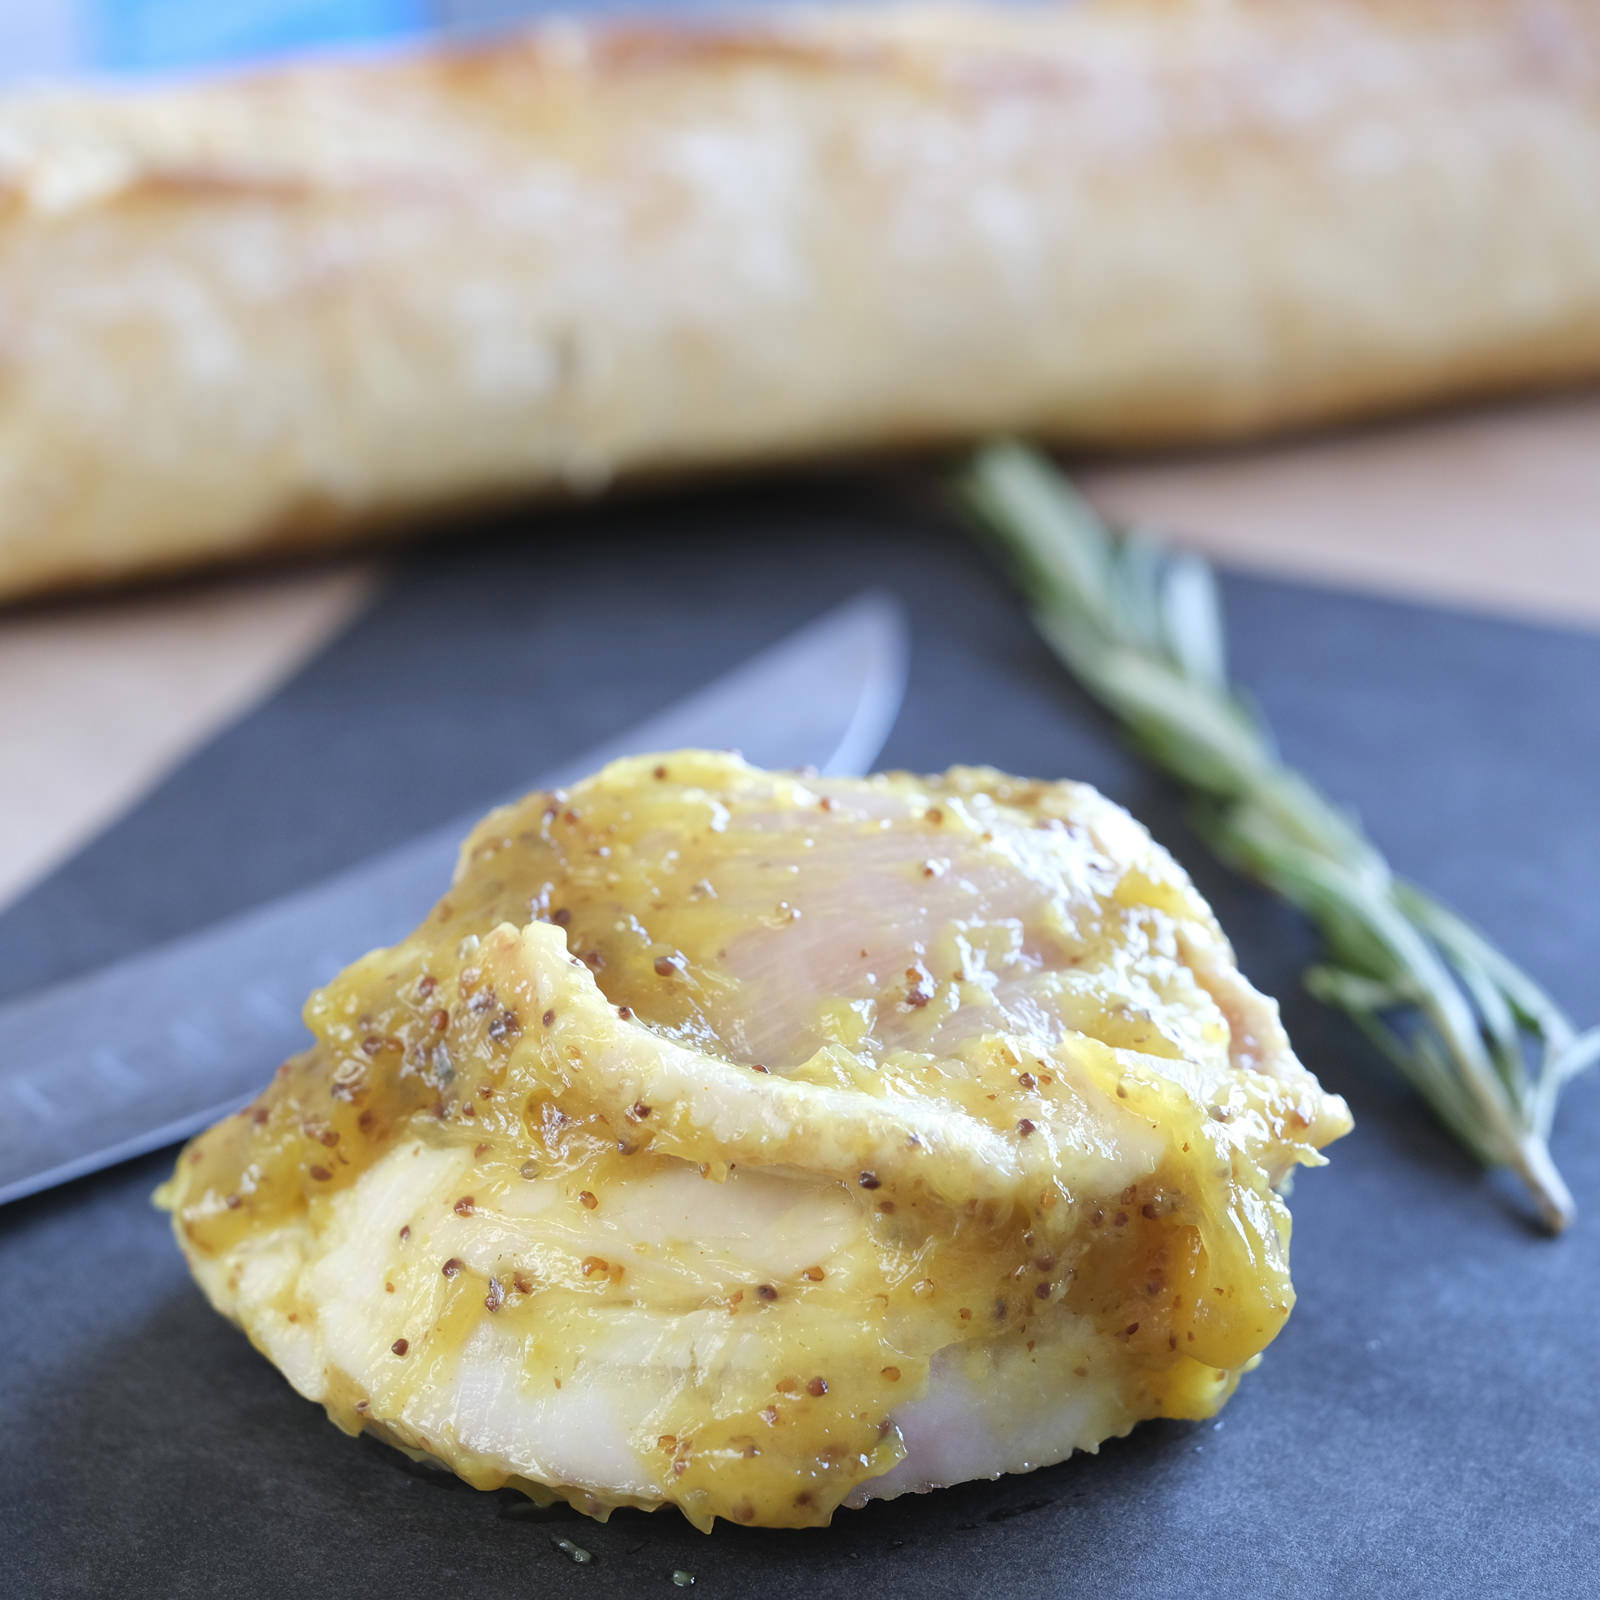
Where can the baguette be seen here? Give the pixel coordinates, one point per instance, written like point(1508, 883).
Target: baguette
point(275, 308)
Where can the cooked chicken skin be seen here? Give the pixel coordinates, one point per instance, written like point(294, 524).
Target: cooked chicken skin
point(761, 1143)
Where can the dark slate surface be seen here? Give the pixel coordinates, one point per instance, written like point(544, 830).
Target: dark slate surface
point(1428, 1424)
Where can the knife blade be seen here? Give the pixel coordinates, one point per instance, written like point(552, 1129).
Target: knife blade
point(103, 1068)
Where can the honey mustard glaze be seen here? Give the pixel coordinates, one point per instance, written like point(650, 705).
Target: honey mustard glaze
point(714, 1116)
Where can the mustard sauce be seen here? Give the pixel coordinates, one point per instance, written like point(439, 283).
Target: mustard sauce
point(1019, 1104)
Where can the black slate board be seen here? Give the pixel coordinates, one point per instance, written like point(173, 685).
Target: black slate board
point(1429, 1423)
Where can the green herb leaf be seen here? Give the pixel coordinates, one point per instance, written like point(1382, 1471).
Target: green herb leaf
point(1141, 629)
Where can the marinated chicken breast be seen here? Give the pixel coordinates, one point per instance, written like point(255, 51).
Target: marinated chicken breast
point(761, 1143)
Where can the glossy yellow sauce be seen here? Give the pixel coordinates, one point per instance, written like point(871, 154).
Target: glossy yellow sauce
point(471, 1033)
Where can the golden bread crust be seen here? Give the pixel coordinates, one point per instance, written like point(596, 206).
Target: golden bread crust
point(385, 287)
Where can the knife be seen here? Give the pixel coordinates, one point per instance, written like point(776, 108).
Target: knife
point(103, 1068)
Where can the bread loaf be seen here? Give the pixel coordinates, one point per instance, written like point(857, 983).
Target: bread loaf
point(280, 306)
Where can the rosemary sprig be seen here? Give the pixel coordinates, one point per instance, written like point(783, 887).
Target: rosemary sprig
point(1140, 627)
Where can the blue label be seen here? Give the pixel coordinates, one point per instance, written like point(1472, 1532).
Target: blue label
point(143, 34)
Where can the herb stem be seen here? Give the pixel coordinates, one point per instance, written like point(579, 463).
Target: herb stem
point(1141, 629)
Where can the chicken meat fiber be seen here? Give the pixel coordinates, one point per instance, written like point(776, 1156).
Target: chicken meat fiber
point(762, 1143)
